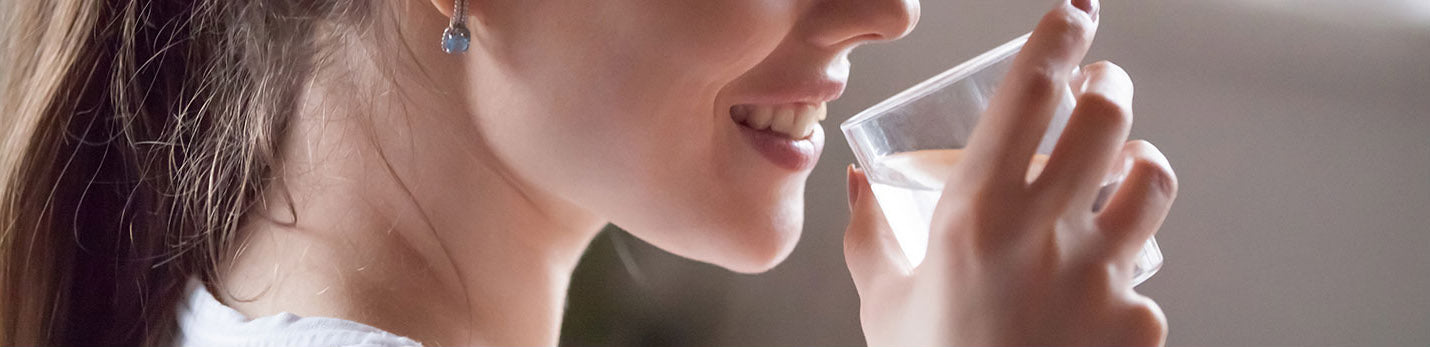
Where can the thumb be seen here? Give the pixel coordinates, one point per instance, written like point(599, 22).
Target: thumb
point(870, 250)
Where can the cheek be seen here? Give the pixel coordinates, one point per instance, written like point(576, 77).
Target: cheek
point(710, 40)
point(652, 66)
point(639, 82)
point(619, 111)
point(659, 113)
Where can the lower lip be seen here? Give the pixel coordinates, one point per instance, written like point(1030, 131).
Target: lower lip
point(794, 155)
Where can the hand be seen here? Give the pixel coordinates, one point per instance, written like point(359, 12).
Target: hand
point(1012, 262)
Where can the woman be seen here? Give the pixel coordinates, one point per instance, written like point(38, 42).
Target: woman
point(197, 172)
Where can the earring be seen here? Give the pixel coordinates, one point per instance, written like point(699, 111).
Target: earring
point(457, 38)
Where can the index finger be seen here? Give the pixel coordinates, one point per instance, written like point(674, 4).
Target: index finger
point(1018, 115)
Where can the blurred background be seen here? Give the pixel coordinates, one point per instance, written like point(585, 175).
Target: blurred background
point(1300, 131)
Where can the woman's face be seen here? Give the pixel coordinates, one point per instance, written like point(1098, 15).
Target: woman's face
point(624, 108)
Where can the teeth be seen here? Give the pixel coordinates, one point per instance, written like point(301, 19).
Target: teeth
point(784, 120)
point(760, 117)
point(805, 124)
point(796, 121)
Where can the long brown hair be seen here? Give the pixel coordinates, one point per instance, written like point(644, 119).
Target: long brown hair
point(136, 134)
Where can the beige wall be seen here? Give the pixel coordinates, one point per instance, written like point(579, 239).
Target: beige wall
point(1302, 141)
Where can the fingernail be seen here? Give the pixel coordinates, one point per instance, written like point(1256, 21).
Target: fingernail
point(853, 186)
point(1165, 183)
point(1089, 6)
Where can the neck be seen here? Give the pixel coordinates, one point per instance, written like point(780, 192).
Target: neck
point(401, 220)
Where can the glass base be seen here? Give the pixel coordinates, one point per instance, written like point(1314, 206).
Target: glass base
point(1147, 263)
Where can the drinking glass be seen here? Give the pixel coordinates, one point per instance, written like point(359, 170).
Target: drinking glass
point(909, 143)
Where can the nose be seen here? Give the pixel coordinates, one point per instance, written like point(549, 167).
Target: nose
point(844, 23)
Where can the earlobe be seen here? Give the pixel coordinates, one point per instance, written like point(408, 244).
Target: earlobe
point(444, 6)
point(448, 7)
point(456, 38)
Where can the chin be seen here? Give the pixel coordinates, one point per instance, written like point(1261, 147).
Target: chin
point(756, 241)
point(751, 239)
point(749, 230)
point(758, 235)
point(762, 248)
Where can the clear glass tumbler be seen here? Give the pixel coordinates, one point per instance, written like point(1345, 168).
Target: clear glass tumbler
point(909, 143)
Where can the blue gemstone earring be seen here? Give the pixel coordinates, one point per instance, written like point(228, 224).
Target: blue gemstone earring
point(457, 38)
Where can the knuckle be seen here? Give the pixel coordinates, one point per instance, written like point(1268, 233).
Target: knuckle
point(1111, 77)
point(992, 229)
point(1094, 271)
point(958, 226)
point(1147, 322)
point(1070, 27)
point(1105, 109)
point(1140, 145)
point(898, 17)
point(1040, 84)
point(1105, 67)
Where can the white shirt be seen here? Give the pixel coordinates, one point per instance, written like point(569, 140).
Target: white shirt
point(206, 322)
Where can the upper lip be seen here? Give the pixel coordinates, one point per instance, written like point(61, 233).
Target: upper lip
point(810, 91)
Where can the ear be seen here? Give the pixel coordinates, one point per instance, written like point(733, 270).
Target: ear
point(447, 6)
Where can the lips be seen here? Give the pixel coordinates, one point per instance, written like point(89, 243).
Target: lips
point(781, 120)
point(783, 152)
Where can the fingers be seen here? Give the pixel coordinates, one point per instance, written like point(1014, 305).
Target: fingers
point(1019, 113)
point(870, 250)
point(1091, 141)
point(1137, 209)
point(1144, 323)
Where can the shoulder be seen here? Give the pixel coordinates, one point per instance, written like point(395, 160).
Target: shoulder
point(204, 321)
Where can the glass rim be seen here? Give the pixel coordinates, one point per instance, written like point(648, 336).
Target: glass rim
point(937, 82)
